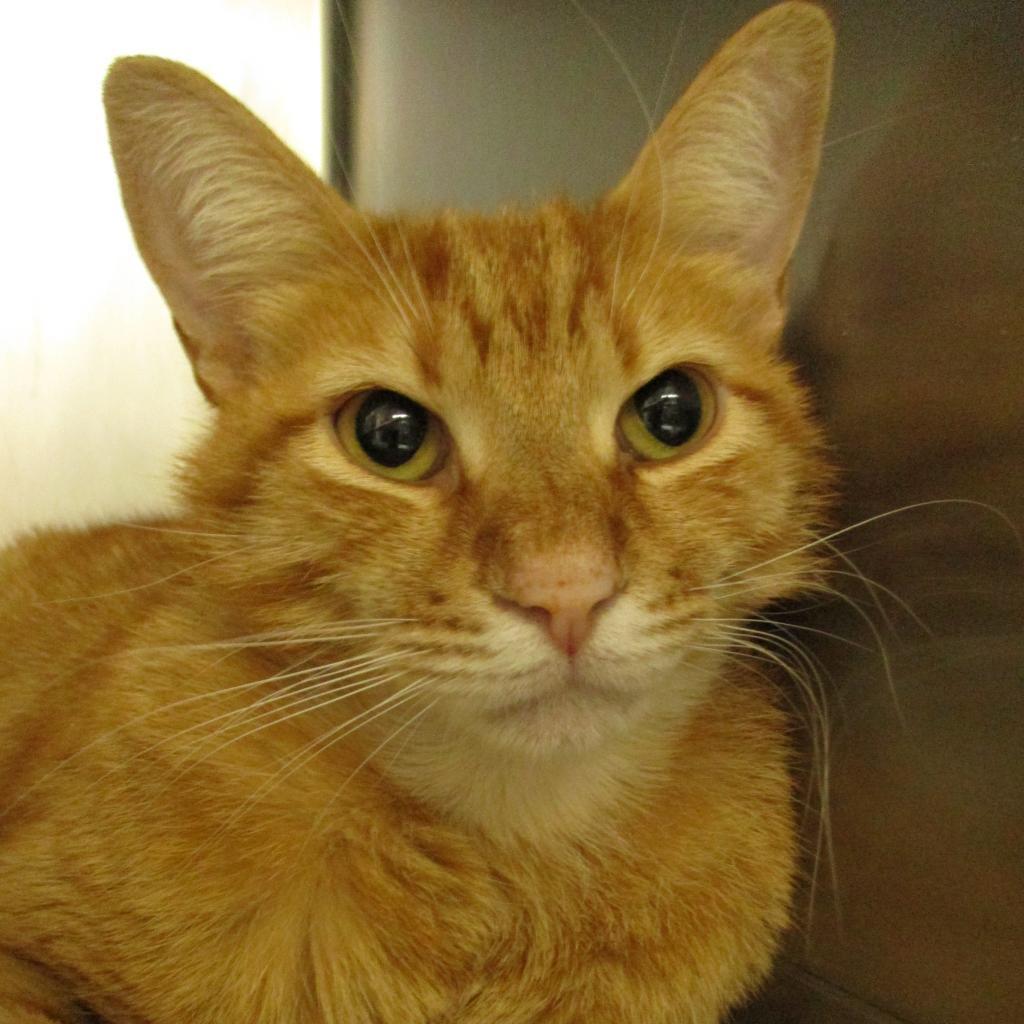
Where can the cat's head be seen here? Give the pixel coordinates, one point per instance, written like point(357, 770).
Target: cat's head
point(555, 442)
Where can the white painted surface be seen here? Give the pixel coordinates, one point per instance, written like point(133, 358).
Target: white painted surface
point(96, 396)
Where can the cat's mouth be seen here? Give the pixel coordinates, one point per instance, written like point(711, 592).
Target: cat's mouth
point(581, 705)
point(579, 694)
point(562, 718)
point(576, 714)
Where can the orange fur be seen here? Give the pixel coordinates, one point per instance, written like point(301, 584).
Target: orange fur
point(183, 839)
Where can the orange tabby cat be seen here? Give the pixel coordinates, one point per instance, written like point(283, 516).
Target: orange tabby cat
point(424, 709)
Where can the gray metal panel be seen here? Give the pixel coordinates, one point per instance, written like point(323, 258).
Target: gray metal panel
point(474, 103)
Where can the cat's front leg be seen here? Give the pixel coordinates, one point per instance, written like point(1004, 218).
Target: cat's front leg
point(29, 996)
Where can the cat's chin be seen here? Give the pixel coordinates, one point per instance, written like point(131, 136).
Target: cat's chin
point(576, 717)
point(558, 707)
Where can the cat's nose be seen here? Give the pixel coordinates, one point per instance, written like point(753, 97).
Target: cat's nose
point(563, 590)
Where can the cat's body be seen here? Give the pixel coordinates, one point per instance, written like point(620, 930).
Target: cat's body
point(469, 745)
point(384, 913)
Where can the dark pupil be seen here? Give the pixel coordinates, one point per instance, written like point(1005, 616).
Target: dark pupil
point(390, 428)
point(670, 407)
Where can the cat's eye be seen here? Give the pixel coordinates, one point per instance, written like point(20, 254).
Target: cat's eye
point(391, 435)
point(669, 415)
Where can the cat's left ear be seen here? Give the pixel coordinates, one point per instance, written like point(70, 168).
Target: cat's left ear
point(732, 165)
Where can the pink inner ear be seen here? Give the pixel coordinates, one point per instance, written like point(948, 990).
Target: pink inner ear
point(222, 213)
point(215, 377)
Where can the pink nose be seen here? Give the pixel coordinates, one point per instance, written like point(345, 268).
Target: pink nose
point(564, 589)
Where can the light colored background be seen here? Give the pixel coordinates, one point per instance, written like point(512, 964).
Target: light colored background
point(95, 394)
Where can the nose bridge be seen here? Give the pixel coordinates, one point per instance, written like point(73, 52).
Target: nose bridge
point(549, 545)
point(549, 537)
point(548, 510)
point(555, 559)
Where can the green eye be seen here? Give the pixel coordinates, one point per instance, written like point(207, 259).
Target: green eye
point(391, 435)
point(669, 415)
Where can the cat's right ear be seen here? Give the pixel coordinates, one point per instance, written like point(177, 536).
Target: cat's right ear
point(226, 217)
point(731, 168)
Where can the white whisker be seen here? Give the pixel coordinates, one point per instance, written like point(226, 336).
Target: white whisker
point(358, 630)
point(811, 686)
point(885, 515)
point(151, 583)
point(311, 704)
point(376, 750)
point(307, 753)
point(306, 703)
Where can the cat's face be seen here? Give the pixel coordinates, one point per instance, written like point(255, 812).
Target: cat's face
point(517, 337)
point(556, 545)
